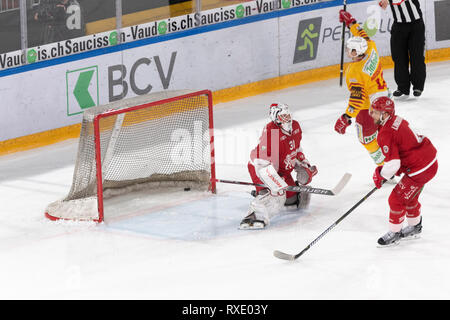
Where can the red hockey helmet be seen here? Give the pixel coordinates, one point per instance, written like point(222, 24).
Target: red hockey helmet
point(384, 104)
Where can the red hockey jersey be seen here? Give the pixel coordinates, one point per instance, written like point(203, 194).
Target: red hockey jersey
point(278, 148)
point(398, 142)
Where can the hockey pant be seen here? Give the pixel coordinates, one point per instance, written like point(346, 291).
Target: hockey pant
point(367, 132)
point(404, 198)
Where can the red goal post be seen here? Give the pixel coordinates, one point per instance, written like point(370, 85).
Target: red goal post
point(164, 139)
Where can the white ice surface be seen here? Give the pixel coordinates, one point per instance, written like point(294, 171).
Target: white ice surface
point(186, 245)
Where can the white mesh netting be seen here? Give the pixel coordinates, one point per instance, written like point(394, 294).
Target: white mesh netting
point(141, 146)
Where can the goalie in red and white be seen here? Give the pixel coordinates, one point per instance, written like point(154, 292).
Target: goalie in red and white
point(277, 155)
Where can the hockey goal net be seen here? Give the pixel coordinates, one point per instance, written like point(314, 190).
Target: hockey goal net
point(156, 140)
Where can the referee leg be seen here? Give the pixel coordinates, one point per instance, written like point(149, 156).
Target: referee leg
point(416, 47)
point(400, 56)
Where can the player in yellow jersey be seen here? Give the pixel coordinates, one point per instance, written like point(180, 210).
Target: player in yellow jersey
point(364, 77)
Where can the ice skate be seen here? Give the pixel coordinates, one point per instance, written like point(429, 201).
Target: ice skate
point(250, 222)
point(412, 232)
point(389, 239)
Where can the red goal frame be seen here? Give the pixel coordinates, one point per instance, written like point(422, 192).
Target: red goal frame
point(97, 118)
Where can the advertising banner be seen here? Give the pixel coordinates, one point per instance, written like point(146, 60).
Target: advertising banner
point(313, 39)
point(255, 41)
point(56, 96)
point(152, 29)
point(437, 24)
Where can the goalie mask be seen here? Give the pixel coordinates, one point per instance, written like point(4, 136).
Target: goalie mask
point(356, 46)
point(280, 115)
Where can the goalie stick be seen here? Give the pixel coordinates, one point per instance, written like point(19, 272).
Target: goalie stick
point(328, 192)
point(291, 257)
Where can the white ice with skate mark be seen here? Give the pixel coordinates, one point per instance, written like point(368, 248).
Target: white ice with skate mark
point(187, 245)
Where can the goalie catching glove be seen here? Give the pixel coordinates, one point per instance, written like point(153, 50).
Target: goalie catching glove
point(305, 172)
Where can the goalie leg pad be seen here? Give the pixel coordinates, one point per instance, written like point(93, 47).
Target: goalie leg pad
point(266, 206)
point(303, 200)
point(300, 200)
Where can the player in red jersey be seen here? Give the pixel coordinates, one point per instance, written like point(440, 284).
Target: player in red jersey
point(405, 152)
point(277, 154)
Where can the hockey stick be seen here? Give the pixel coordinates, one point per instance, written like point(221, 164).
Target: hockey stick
point(291, 257)
point(342, 48)
point(329, 192)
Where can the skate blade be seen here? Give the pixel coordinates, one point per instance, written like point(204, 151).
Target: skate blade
point(413, 237)
point(393, 244)
point(255, 226)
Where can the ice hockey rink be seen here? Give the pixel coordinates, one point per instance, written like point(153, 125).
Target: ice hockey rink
point(186, 245)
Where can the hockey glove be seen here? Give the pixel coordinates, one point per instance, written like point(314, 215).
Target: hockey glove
point(377, 178)
point(383, 4)
point(342, 123)
point(346, 17)
point(300, 156)
point(305, 172)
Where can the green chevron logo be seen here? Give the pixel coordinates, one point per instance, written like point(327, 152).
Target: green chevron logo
point(82, 89)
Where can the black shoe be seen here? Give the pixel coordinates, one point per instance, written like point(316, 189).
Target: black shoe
point(417, 93)
point(397, 93)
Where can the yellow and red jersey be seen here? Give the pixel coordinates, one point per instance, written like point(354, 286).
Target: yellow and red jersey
point(365, 77)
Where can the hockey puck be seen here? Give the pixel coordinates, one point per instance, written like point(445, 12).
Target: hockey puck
point(187, 189)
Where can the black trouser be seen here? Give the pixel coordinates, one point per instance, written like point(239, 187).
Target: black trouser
point(408, 47)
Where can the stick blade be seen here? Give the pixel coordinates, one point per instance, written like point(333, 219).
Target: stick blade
point(345, 179)
point(283, 256)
